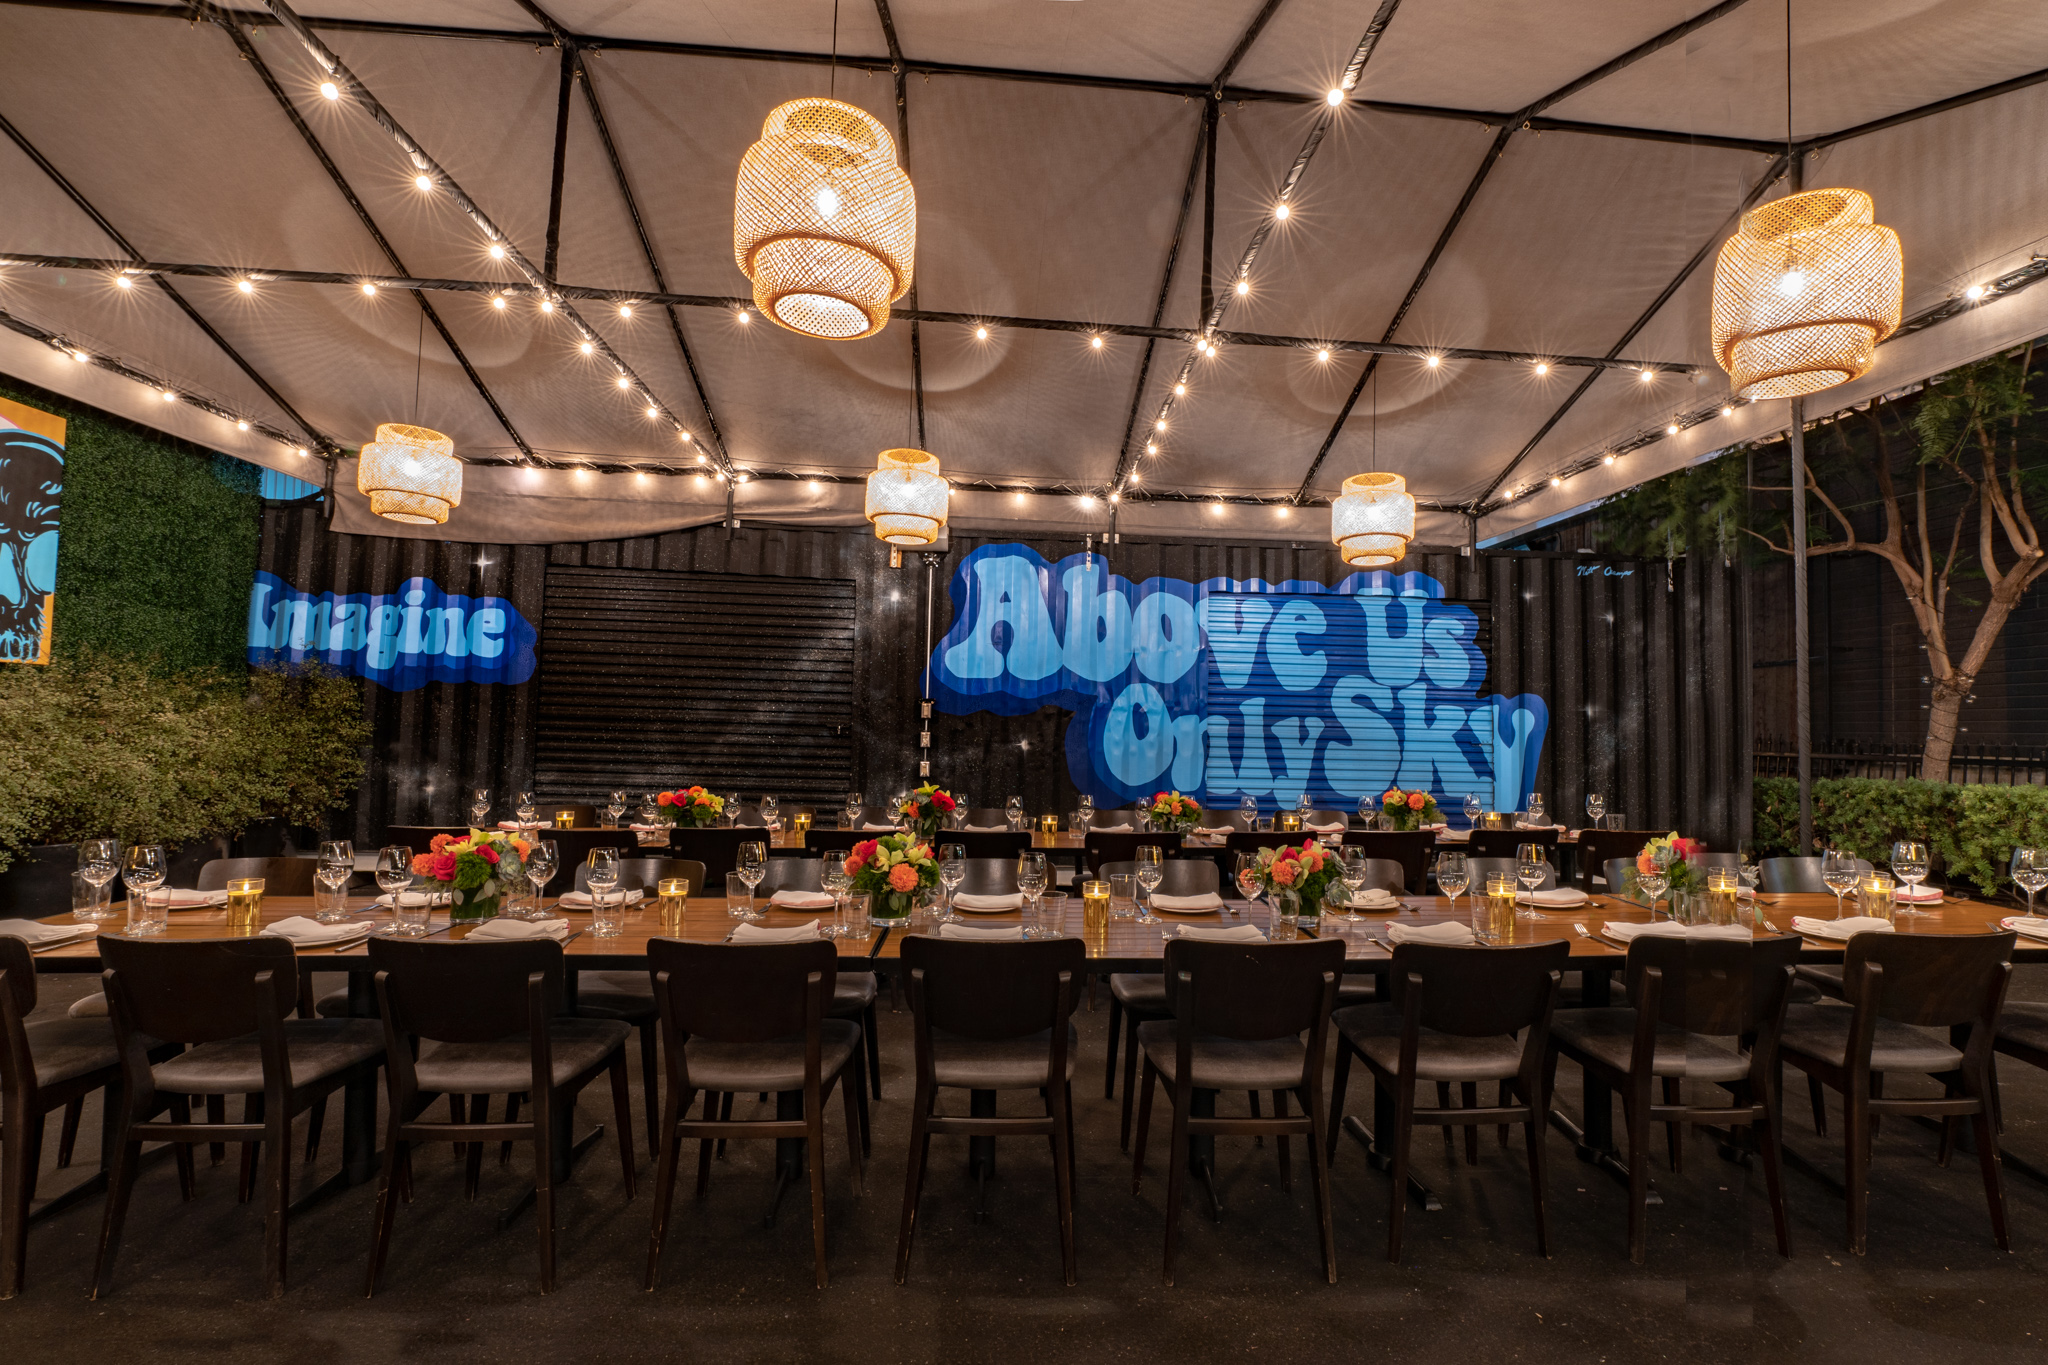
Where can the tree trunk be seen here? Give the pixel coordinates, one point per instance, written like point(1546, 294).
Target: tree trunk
point(1943, 714)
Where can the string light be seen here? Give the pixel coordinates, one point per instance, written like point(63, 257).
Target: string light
point(1216, 507)
point(981, 334)
point(421, 182)
point(812, 486)
point(498, 302)
point(246, 286)
point(242, 425)
point(547, 305)
point(1282, 511)
point(686, 440)
point(1016, 497)
point(1180, 390)
point(80, 357)
point(744, 316)
point(1095, 343)
point(624, 382)
point(1727, 410)
point(369, 290)
point(497, 252)
point(1646, 374)
point(1671, 430)
point(1974, 292)
point(1607, 458)
point(1556, 482)
point(329, 90)
point(1087, 499)
point(653, 411)
point(1136, 477)
point(1244, 287)
point(1116, 497)
point(169, 397)
point(124, 282)
point(1334, 98)
point(301, 452)
point(1280, 210)
point(1151, 447)
point(1433, 361)
point(640, 476)
point(1542, 367)
point(625, 310)
point(1323, 355)
point(1159, 425)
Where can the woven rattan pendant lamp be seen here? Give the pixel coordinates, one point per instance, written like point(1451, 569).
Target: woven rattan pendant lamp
point(1373, 518)
point(907, 500)
point(410, 474)
point(824, 220)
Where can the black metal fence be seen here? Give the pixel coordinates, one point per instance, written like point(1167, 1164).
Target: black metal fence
point(2005, 765)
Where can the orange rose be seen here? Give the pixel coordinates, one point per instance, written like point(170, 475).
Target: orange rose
point(853, 867)
point(1645, 862)
point(439, 842)
point(1416, 800)
point(903, 877)
point(1284, 871)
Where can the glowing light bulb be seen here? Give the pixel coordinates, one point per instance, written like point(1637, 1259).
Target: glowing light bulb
point(80, 357)
point(1433, 361)
point(1334, 98)
point(1647, 374)
point(124, 282)
point(1607, 459)
point(1323, 354)
point(624, 382)
point(241, 426)
point(1016, 497)
point(246, 286)
point(1282, 512)
point(1151, 447)
point(686, 439)
point(653, 411)
point(625, 310)
point(1542, 367)
point(547, 305)
point(169, 397)
point(827, 201)
point(1727, 410)
point(329, 90)
point(1974, 292)
point(811, 485)
point(498, 302)
point(1243, 287)
point(744, 316)
point(587, 348)
point(497, 252)
point(1095, 343)
point(1555, 481)
point(1216, 508)
point(301, 452)
point(421, 182)
point(1671, 430)
point(1159, 425)
point(369, 290)
point(1791, 282)
point(1116, 497)
point(1180, 390)
point(981, 334)
point(1280, 211)
point(1136, 477)
point(1087, 499)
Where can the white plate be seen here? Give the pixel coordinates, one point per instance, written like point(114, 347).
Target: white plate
point(1169, 910)
point(978, 910)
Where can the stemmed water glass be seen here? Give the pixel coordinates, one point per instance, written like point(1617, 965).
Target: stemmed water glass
point(1909, 865)
point(752, 864)
point(337, 863)
point(837, 881)
point(1747, 866)
point(143, 871)
point(1013, 809)
point(1303, 804)
point(732, 809)
point(1653, 882)
point(1031, 877)
point(1151, 872)
point(1530, 865)
point(1453, 875)
point(650, 809)
point(524, 809)
point(1535, 812)
point(1596, 806)
point(1351, 870)
point(543, 859)
point(952, 872)
point(479, 807)
point(615, 807)
point(2030, 872)
point(1250, 881)
point(601, 877)
point(1368, 811)
point(1838, 872)
point(1474, 807)
point(767, 811)
point(394, 871)
point(99, 861)
point(1248, 811)
point(852, 809)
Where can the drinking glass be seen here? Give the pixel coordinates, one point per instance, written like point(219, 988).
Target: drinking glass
point(767, 810)
point(1838, 872)
point(1909, 865)
point(142, 873)
point(752, 865)
point(732, 809)
point(849, 814)
point(860, 924)
point(1151, 872)
point(410, 917)
point(1652, 884)
point(2030, 872)
point(1530, 865)
point(337, 863)
point(1596, 806)
point(1014, 811)
point(1087, 804)
point(479, 806)
point(394, 870)
point(88, 902)
point(99, 862)
point(601, 872)
point(1282, 926)
point(1616, 820)
point(607, 913)
point(739, 897)
point(1748, 869)
point(1303, 804)
point(1249, 883)
point(1367, 809)
point(524, 809)
point(1031, 871)
point(1049, 916)
point(543, 860)
point(1474, 807)
point(1123, 895)
point(1453, 875)
point(836, 881)
point(952, 872)
point(1351, 869)
point(1535, 811)
point(614, 807)
point(650, 810)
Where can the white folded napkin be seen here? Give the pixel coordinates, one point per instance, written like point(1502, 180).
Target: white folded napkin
point(181, 898)
point(802, 900)
point(1001, 933)
point(1453, 836)
point(1109, 829)
point(511, 930)
point(1559, 898)
point(1624, 932)
point(515, 825)
point(44, 935)
point(1208, 900)
point(869, 824)
point(1335, 827)
point(1236, 933)
point(1216, 829)
point(1841, 928)
point(1375, 898)
point(1925, 895)
point(92, 1006)
point(757, 933)
point(1524, 824)
point(580, 900)
point(311, 933)
point(986, 829)
point(647, 829)
point(2032, 926)
point(967, 900)
point(411, 898)
point(1449, 932)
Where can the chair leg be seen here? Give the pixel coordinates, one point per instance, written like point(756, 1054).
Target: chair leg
point(872, 1036)
point(814, 1150)
point(1176, 1170)
point(913, 1178)
point(1769, 1131)
point(1443, 1101)
point(67, 1136)
point(1130, 1073)
point(21, 1152)
point(1674, 1133)
point(1252, 1098)
point(1987, 1161)
point(1468, 1097)
point(390, 1183)
point(1532, 1135)
point(724, 1113)
point(1818, 1098)
point(181, 1152)
point(670, 1149)
point(473, 1159)
point(512, 1103)
point(1504, 1094)
point(544, 1183)
point(1635, 1111)
point(1319, 1173)
point(1144, 1125)
point(650, 1083)
point(856, 1144)
point(316, 1119)
point(1286, 1162)
point(1116, 1018)
point(217, 1112)
point(1404, 1130)
point(622, 1115)
point(120, 1186)
point(1060, 1105)
point(1856, 1160)
point(716, 1106)
point(277, 1180)
point(859, 1090)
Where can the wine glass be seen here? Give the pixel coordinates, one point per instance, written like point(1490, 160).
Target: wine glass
point(2030, 872)
point(99, 862)
point(479, 807)
point(1909, 865)
point(1596, 806)
point(1653, 882)
point(850, 812)
point(1031, 872)
point(143, 871)
point(837, 881)
point(1248, 812)
point(1249, 882)
point(394, 871)
point(952, 872)
point(1014, 810)
point(1367, 810)
point(615, 807)
point(1474, 807)
point(1453, 875)
point(1535, 811)
point(752, 864)
point(543, 859)
point(768, 805)
point(601, 874)
point(1838, 872)
point(650, 809)
point(1530, 865)
point(1151, 872)
point(1351, 869)
point(1748, 868)
point(337, 863)
point(524, 809)
point(1303, 804)
point(732, 809)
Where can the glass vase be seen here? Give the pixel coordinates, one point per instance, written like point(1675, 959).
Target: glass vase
point(477, 903)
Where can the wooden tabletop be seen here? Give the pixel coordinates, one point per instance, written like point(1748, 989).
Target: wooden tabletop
point(1125, 944)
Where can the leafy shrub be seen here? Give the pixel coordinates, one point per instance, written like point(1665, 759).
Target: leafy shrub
point(1970, 829)
point(118, 746)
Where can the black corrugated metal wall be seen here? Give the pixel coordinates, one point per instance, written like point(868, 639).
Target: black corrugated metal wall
point(1646, 676)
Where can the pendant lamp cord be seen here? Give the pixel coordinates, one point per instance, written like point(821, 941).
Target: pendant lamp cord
point(1788, 85)
point(832, 81)
point(419, 348)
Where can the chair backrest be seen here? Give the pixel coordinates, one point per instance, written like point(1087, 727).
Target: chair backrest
point(739, 992)
point(793, 874)
point(1502, 843)
point(645, 874)
point(1930, 980)
point(750, 817)
point(197, 990)
point(1621, 876)
point(1784, 875)
point(1411, 848)
point(1598, 847)
point(20, 966)
point(1124, 815)
point(1384, 875)
point(1719, 987)
point(1480, 867)
point(1178, 876)
point(281, 876)
point(994, 991)
point(718, 849)
point(985, 845)
point(991, 877)
point(838, 841)
point(466, 992)
point(586, 816)
point(1479, 992)
point(988, 815)
point(1330, 817)
point(1252, 991)
point(1123, 848)
point(1705, 860)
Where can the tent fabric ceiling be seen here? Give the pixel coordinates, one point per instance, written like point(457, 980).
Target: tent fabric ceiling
point(1037, 199)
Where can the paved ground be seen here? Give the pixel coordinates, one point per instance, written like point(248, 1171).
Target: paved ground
point(1471, 1287)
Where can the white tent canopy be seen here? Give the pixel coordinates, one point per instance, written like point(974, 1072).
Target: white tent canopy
point(1450, 201)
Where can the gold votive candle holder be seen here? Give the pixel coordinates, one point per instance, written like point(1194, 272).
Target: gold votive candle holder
point(800, 823)
point(1290, 822)
point(1495, 912)
point(1874, 897)
point(245, 904)
point(565, 819)
point(1094, 906)
point(1722, 904)
point(1049, 825)
point(674, 898)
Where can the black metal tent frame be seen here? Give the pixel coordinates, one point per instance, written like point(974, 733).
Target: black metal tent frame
point(1212, 95)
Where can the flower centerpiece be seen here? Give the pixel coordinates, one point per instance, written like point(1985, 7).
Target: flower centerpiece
point(1173, 813)
point(1681, 873)
point(926, 809)
point(1408, 810)
point(477, 869)
point(689, 806)
point(1307, 871)
point(892, 871)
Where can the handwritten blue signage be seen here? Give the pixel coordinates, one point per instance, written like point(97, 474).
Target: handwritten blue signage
point(402, 640)
point(1233, 688)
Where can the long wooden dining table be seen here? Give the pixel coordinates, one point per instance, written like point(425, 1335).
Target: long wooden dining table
point(1126, 944)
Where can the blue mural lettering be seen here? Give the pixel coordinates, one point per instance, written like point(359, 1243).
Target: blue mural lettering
point(401, 640)
point(1230, 688)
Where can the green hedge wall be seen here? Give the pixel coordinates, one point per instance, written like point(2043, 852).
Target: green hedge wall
point(157, 547)
point(1970, 829)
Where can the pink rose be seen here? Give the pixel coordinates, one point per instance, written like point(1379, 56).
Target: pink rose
point(444, 867)
point(903, 877)
point(487, 853)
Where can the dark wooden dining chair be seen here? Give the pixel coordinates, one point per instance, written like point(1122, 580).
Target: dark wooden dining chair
point(1413, 849)
point(1140, 997)
point(792, 874)
point(227, 1001)
point(990, 877)
point(45, 1066)
point(1783, 876)
point(281, 876)
point(482, 1019)
point(1503, 843)
point(993, 1017)
point(1480, 867)
point(979, 845)
point(990, 818)
point(750, 1017)
point(1240, 1013)
point(1598, 847)
point(1898, 986)
point(1452, 1019)
point(1705, 1010)
point(717, 848)
point(1100, 848)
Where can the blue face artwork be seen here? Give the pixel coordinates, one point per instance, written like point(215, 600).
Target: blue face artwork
point(31, 491)
point(1229, 689)
point(401, 640)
